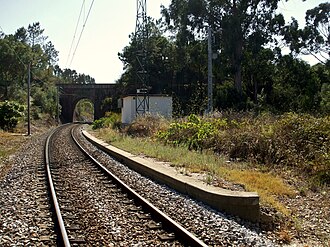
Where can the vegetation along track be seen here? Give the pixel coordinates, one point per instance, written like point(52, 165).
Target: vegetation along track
point(92, 209)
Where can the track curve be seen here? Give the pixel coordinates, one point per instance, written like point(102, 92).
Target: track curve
point(157, 225)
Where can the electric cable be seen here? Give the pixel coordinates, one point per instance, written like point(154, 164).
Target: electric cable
point(75, 32)
point(89, 11)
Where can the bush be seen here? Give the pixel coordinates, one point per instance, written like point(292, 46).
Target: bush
point(250, 139)
point(10, 112)
point(110, 120)
point(303, 141)
point(299, 141)
point(196, 133)
point(146, 126)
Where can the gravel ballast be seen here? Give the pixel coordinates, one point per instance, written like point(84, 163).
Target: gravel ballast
point(25, 219)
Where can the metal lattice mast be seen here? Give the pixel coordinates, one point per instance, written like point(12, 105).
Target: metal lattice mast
point(141, 37)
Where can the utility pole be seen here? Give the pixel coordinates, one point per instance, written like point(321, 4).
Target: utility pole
point(141, 37)
point(58, 105)
point(28, 99)
point(209, 71)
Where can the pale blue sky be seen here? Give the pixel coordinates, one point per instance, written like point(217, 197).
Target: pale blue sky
point(106, 32)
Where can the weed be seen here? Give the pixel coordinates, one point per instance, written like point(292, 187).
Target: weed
point(208, 179)
point(9, 143)
point(285, 236)
point(299, 141)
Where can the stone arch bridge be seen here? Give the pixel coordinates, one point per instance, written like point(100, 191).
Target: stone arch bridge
point(70, 94)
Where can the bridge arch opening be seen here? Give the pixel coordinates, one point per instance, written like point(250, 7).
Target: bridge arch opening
point(83, 111)
point(70, 94)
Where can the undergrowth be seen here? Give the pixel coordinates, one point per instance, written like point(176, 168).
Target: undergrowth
point(267, 185)
point(298, 141)
point(218, 145)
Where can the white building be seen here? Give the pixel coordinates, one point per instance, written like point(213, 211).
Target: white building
point(158, 105)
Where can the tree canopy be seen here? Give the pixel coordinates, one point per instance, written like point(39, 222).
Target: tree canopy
point(249, 69)
point(30, 46)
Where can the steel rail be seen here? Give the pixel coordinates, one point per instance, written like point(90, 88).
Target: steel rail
point(167, 222)
point(63, 232)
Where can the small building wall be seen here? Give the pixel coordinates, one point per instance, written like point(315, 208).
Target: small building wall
point(158, 105)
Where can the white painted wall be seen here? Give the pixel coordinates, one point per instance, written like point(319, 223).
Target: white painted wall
point(158, 105)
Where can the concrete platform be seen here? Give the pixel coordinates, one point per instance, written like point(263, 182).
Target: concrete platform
point(242, 204)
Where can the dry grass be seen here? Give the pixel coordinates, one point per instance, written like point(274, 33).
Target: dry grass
point(9, 144)
point(268, 186)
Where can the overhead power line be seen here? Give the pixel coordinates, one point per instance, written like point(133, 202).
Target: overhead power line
point(75, 32)
point(82, 30)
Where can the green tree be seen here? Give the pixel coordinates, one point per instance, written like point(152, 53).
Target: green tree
point(72, 76)
point(14, 57)
point(296, 86)
point(51, 53)
point(325, 98)
point(258, 74)
point(314, 38)
point(159, 64)
point(10, 112)
point(235, 22)
point(30, 46)
point(34, 35)
point(317, 32)
point(44, 98)
point(175, 67)
point(44, 53)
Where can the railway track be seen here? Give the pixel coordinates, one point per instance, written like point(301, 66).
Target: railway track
point(94, 207)
point(93, 214)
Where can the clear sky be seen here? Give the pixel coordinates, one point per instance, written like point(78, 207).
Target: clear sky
point(106, 32)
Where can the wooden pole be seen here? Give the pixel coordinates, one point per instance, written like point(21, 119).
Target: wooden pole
point(28, 99)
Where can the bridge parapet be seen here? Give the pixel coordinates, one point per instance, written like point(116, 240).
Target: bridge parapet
point(71, 94)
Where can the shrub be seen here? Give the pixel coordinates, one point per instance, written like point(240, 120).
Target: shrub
point(146, 126)
point(195, 132)
point(110, 120)
point(299, 141)
point(303, 141)
point(251, 139)
point(10, 112)
point(98, 123)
